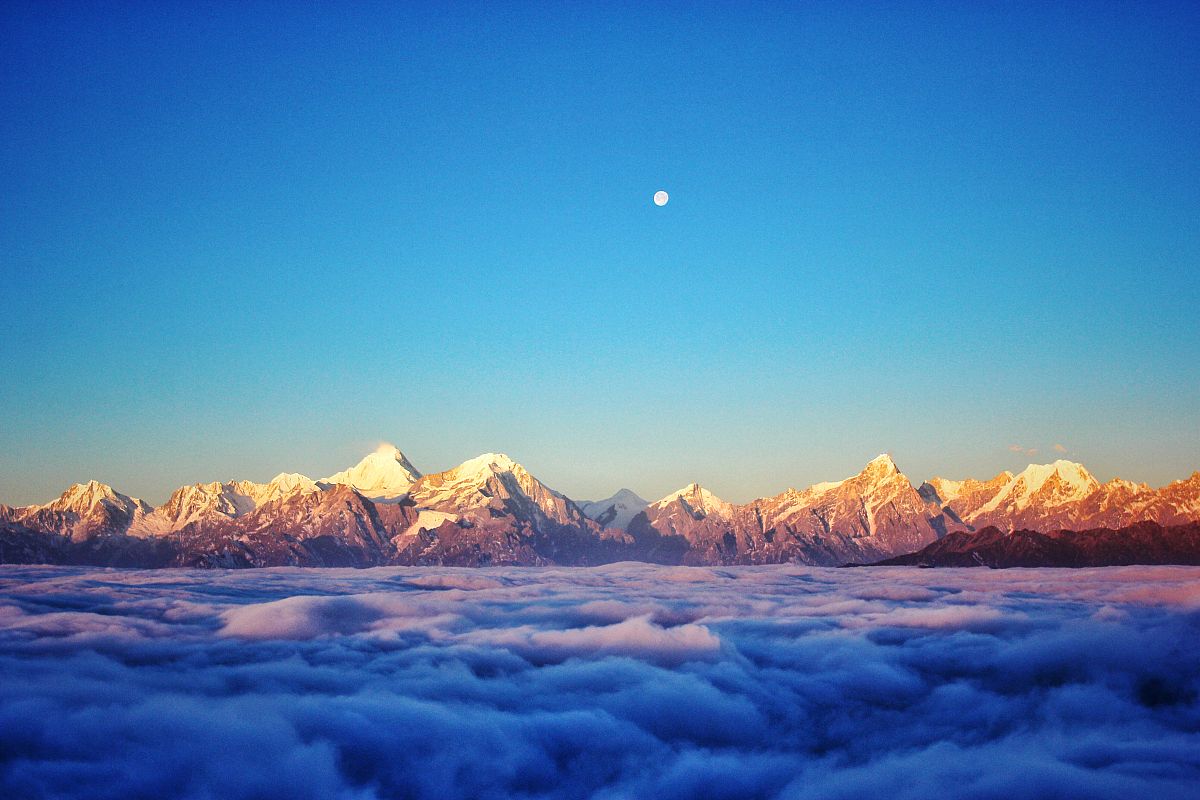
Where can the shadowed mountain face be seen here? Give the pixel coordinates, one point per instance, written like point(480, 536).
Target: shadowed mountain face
point(616, 511)
point(1143, 543)
point(491, 511)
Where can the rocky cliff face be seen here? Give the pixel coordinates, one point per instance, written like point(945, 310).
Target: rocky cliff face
point(874, 512)
point(1062, 495)
point(84, 511)
point(491, 510)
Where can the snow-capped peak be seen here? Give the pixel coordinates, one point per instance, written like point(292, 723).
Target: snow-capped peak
point(1074, 475)
point(93, 490)
point(282, 485)
point(880, 469)
point(478, 471)
point(697, 498)
point(877, 470)
point(883, 461)
point(821, 488)
point(384, 475)
point(82, 497)
point(1071, 482)
point(198, 501)
point(945, 488)
point(1125, 485)
point(616, 511)
point(486, 463)
point(496, 482)
point(468, 479)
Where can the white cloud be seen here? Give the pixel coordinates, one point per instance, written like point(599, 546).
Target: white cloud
point(623, 681)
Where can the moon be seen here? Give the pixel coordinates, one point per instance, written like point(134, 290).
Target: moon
point(661, 198)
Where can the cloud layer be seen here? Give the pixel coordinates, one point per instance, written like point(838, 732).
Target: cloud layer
point(615, 682)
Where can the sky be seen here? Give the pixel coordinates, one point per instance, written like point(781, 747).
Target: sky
point(240, 239)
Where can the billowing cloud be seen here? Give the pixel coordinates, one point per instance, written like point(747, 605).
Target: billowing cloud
point(621, 681)
point(637, 637)
point(1058, 448)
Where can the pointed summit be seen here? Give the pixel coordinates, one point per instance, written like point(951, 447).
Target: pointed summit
point(616, 511)
point(696, 498)
point(81, 498)
point(494, 481)
point(883, 461)
point(879, 471)
point(384, 475)
point(85, 509)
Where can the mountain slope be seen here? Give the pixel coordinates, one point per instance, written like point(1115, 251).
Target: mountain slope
point(491, 510)
point(1143, 543)
point(616, 511)
point(384, 475)
point(201, 502)
point(877, 510)
point(873, 513)
point(959, 498)
point(1062, 495)
point(336, 527)
point(83, 511)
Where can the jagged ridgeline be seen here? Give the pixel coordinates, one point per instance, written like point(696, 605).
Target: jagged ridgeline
point(491, 511)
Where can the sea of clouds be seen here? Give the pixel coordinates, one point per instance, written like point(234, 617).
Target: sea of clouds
point(625, 681)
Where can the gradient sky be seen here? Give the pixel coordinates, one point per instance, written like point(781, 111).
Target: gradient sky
point(237, 239)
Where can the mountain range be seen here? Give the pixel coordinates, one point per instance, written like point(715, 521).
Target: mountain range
point(490, 510)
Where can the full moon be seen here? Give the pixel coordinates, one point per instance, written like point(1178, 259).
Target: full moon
point(661, 198)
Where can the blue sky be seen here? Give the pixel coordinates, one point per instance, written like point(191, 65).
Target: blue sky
point(246, 238)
